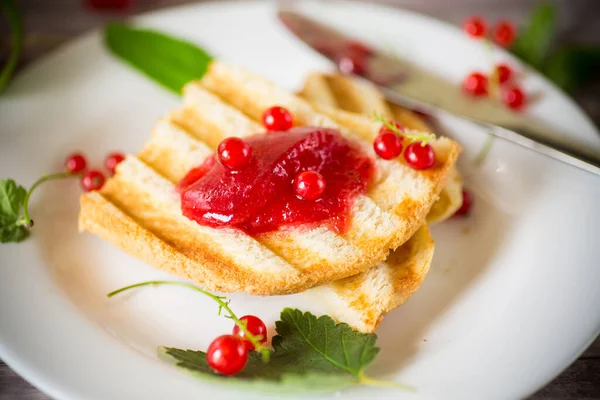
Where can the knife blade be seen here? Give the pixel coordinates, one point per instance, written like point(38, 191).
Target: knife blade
point(356, 57)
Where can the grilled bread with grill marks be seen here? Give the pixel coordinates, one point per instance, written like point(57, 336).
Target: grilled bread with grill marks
point(335, 91)
point(139, 209)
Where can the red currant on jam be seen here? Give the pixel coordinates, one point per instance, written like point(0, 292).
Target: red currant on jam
point(476, 84)
point(227, 354)
point(504, 73)
point(504, 33)
point(75, 163)
point(255, 326)
point(309, 185)
point(467, 203)
point(112, 161)
point(277, 119)
point(234, 153)
point(514, 98)
point(92, 180)
point(475, 26)
point(388, 145)
point(419, 156)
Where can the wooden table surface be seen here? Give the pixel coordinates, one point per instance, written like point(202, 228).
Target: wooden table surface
point(52, 22)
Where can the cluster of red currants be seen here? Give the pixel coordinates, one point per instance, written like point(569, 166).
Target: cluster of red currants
point(228, 354)
point(389, 144)
point(235, 154)
point(502, 75)
point(92, 179)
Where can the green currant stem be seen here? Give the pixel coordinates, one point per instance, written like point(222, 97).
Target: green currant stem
point(365, 380)
point(412, 135)
point(222, 305)
point(26, 220)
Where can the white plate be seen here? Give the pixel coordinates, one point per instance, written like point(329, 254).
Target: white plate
point(512, 297)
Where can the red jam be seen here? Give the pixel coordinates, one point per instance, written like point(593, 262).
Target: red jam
point(261, 197)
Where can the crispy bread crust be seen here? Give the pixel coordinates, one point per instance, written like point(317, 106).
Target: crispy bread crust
point(143, 192)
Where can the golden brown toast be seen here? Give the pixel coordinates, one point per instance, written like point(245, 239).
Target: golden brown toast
point(363, 299)
point(139, 209)
point(342, 92)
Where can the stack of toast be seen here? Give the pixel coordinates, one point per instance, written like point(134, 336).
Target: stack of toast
point(365, 272)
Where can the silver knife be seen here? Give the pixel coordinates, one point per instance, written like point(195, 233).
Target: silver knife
point(353, 56)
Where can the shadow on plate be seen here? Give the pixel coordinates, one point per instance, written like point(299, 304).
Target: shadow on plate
point(464, 248)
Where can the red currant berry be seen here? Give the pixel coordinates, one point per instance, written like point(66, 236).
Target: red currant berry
point(234, 153)
point(467, 202)
point(476, 84)
point(227, 354)
point(419, 156)
point(75, 163)
point(475, 26)
point(309, 185)
point(112, 161)
point(504, 33)
point(504, 73)
point(92, 180)
point(353, 64)
point(388, 145)
point(514, 98)
point(277, 119)
point(255, 326)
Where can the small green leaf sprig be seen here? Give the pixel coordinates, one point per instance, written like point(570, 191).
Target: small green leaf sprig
point(15, 221)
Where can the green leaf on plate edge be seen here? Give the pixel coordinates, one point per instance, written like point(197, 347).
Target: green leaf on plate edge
point(167, 60)
point(12, 197)
point(533, 43)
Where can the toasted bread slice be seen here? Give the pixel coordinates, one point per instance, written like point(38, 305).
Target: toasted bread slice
point(335, 91)
point(228, 101)
point(362, 300)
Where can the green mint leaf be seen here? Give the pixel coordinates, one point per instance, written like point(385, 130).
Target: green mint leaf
point(9, 10)
point(11, 200)
point(13, 233)
point(308, 353)
point(169, 61)
point(572, 65)
point(533, 42)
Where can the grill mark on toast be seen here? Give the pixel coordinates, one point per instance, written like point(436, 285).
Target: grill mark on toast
point(253, 94)
point(318, 250)
point(363, 299)
point(237, 259)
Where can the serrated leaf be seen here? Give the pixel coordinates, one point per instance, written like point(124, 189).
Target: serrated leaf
point(169, 61)
point(572, 65)
point(13, 233)
point(11, 199)
point(308, 352)
point(11, 202)
point(533, 42)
